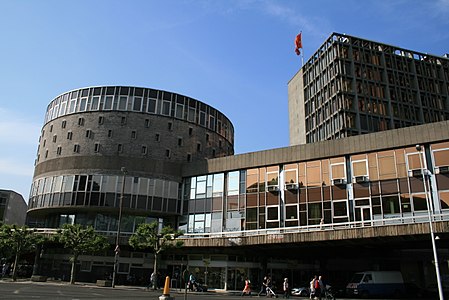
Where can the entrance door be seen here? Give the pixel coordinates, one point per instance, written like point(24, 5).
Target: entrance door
point(363, 214)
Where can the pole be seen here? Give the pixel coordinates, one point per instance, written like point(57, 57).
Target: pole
point(117, 238)
point(432, 235)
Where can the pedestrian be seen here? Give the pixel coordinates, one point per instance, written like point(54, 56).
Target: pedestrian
point(312, 288)
point(153, 280)
point(247, 288)
point(263, 288)
point(286, 289)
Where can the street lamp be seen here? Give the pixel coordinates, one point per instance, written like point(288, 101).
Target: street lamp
point(425, 172)
point(117, 238)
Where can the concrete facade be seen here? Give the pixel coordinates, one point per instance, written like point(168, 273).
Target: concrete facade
point(12, 208)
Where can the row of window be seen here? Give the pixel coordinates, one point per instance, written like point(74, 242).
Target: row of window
point(375, 186)
point(148, 101)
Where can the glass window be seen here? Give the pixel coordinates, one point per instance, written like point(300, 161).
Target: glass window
point(95, 103)
point(122, 103)
point(313, 173)
point(272, 213)
point(152, 106)
point(444, 200)
point(340, 208)
point(359, 168)
point(83, 103)
point(387, 167)
point(108, 102)
point(390, 204)
point(441, 157)
point(233, 183)
point(291, 173)
point(273, 176)
point(251, 180)
point(291, 212)
point(137, 104)
point(338, 171)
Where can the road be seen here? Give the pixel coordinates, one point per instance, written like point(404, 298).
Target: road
point(64, 291)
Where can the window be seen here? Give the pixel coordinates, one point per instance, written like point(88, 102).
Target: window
point(167, 153)
point(54, 138)
point(157, 137)
point(137, 104)
point(59, 150)
point(109, 133)
point(189, 157)
point(69, 135)
point(81, 122)
point(122, 103)
point(108, 102)
point(76, 148)
point(170, 126)
point(123, 121)
point(133, 134)
point(179, 141)
point(144, 150)
point(97, 148)
point(272, 213)
point(190, 130)
point(46, 153)
point(63, 124)
point(120, 148)
point(51, 128)
point(198, 147)
point(147, 123)
point(88, 133)
point(100, 120)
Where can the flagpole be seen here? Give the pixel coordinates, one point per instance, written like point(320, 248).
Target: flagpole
point(302, 53)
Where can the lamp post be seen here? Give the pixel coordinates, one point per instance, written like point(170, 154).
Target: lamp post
point(117, 238)
point(425, 172)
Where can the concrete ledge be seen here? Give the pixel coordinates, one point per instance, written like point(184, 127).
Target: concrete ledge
point(104, 283)
point(38, 278)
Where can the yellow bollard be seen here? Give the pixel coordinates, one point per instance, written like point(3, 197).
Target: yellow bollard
point(166, 291)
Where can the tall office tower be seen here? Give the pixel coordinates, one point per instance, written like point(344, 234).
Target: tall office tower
point(353, 86)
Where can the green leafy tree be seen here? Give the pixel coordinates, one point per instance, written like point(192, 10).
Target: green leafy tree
point(147, 236)
point(17, 240)
point(80, 240)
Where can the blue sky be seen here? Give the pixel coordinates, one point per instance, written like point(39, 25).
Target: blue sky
point(237, 56)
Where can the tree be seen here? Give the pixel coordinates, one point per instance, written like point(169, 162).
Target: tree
point(18, 240)
point(80, 240)
point(147, 236)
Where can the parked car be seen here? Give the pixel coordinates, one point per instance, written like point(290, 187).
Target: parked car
point(301, 291)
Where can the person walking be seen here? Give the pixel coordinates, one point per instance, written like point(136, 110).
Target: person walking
point(263, 288)
point(286, 289)
point(247, 288)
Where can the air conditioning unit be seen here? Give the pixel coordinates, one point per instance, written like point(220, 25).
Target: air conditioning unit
point(273, 188)
point(415, 173)
point(442, 170)
point(361, 179)
point(291, 186)
point(338, 181)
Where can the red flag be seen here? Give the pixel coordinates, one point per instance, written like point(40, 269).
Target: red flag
point(298, 43)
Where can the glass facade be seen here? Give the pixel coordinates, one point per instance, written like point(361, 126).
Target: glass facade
point(359, 189)
point(143, 196)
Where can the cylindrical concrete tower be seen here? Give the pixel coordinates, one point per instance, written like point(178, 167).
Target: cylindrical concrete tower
point(90, 134)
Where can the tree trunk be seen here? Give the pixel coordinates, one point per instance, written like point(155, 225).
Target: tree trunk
point(72, 272)
point(14, 270)
point(155, 271)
